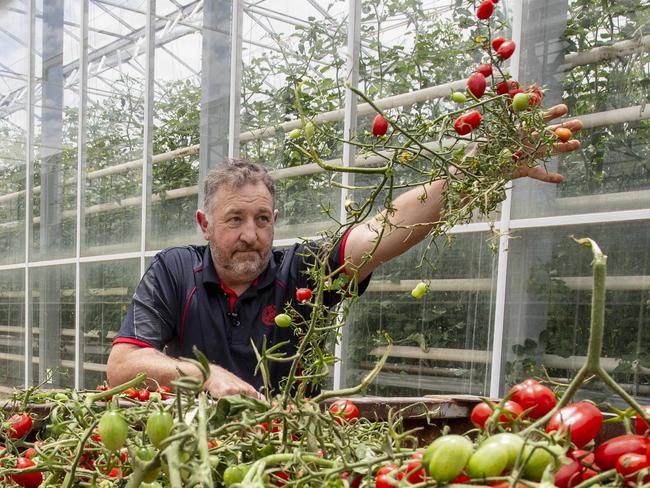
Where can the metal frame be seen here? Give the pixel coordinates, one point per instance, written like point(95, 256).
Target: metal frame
point(29, 178)
point(81, 178)
point(235, 78)
point(147, 149)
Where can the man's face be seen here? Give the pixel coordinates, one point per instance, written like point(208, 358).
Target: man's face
point(240, 231)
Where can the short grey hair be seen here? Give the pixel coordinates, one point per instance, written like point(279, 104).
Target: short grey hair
point(234, 174)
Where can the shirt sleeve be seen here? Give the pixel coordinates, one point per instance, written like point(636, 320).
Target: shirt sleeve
point(151, 318)
point(341, 286)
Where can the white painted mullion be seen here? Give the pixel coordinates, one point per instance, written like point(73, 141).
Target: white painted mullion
point(504, 228)
point(147, 146)
point(81, 175)
point(29, 180)
point(235, 78)
point(349, 150)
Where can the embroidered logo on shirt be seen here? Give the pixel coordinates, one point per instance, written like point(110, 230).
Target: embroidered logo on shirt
point(268, 314)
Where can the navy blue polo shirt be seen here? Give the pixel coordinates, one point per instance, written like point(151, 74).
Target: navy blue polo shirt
point(180, 303)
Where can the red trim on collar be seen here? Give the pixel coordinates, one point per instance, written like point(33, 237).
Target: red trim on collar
point(232, 296)
point(130, 340)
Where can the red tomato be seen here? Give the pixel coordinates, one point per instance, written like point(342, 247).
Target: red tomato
point(476, 84)
point(356, 480)
point(536, 95)
point(482, 411)
point(609, 451)
point(629, 464)
point(582, 420)
point(504, 87)
point(506, 49)
point(385, 476)
point(586, 458)
point(589, 473)
point(379, 126)
point(27, 480)
point(515, 91)
point(563, 134)
point(344, 409)
point(131, 393)
point(484, 69)
point(19, 425)
point(143, 395)
point(568, 475)
point(462, 478)
point(640, 425)
point(415, 472)
point(467, 122)
point(281, 477)
point(485, 10)
point(530, 394)
point(303, 294)
point(497, 41)
point(164, 392)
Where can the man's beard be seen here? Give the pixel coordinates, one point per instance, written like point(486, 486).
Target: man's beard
point(250, 265)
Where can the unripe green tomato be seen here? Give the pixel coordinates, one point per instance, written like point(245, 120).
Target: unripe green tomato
point(520, 102)
point(419, 290)
point(295, 134)
point(113, 430)
point(61, 397)
point(283, 320)
point(159, 425)
point(309, 130)
point(147, 454)
point(534, 461)
point(512, 442)
point(234, 474)
point(505, 156)
point(446, 457)
point(458, 97)
point(488, 461)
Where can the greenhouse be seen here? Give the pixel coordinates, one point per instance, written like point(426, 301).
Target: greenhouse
point(112, 113)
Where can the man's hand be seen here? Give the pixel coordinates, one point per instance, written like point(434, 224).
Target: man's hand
point(223, 383)
point(539, 172)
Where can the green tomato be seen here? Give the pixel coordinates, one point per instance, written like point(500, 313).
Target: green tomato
point(159, 425)
point(488, 461)
point(147, 454)
point(446, 457)
point(512, 442)
point(505, 156)
point(113, 430)
point(419, 290)
point(235, 474)
point(458, 97)
point(295, 134)
point(536, 459)
point(520, 102)
point(61, 397)
point(283, 320)
point(155, 484)
point(309, 130)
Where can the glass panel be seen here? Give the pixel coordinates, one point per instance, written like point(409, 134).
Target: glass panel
point(12, 330)
point(177, 103)
point(13, 93)
point(579, 56)
point(454, 319)
point(53, 322)
point(113, 190)
point(107, 291)
point(56, 113)
point(549, 302)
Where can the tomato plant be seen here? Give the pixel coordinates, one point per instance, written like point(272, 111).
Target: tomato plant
point(283, 320)
point(159, 425)
point(485, 10)
point(476, 84)
point(27, 480)
point(19, 425)
point(609, 451)
point(379, 125)
point(344, 410)
point(113, 430)
point(582, 421)
point(536, 399)
point(303, 294)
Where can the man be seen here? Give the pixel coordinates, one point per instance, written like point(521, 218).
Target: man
point(221, 296)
